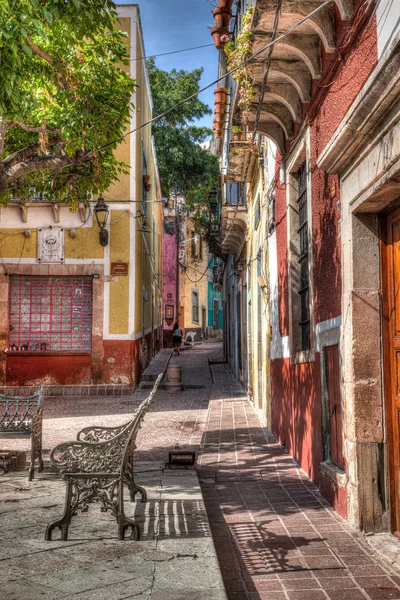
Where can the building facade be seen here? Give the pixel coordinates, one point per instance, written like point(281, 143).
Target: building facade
point(321, 359)
point(192, 277)
point(75, 311)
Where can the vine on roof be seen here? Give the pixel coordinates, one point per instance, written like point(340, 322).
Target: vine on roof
point(237, 52)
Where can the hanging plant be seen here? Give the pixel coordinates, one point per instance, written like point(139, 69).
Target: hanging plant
point(237, 52)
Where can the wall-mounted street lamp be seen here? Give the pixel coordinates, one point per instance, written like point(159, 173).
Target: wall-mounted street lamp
point(101, 212)
point(144, 227)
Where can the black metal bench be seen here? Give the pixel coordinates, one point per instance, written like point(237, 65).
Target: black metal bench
point(23, 416)
point(95, 469)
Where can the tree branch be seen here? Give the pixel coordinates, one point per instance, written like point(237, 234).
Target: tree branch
point(38, 163)
point(28, 152)
point(49, 59)
point(36, 129)
point(41, 52)
point(3, 130)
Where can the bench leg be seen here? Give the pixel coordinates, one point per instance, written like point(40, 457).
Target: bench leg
point(31, 473)
point(36, 446)
point(124, 523)
point(133, 487)
point(65, 520)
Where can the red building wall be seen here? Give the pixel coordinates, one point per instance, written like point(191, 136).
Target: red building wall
point(296, 389)
point(122, 363)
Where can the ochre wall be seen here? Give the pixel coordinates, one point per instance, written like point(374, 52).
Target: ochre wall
point(119, 290)
point(126, 357)
point(18, 246)
point(84, 245)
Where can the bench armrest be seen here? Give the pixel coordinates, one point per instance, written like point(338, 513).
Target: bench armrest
point(92, 457)
point(94, 433)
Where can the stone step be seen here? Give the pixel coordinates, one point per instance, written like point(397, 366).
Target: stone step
point(157, 365)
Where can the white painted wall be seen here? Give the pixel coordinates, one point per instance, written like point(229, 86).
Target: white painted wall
point(388, 23)
point(41, 216)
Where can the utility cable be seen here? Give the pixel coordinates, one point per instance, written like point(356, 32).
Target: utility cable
point(203, 274)
point(191, 97)
point(171, 52)
point(266, 69)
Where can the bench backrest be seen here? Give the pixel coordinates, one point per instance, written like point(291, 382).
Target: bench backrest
point(107, 452)
point(17, 412)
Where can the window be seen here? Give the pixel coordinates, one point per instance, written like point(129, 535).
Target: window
point(193, 244)
point(195, 306)
point(304, 287)
point(235, 193)
point(50, 314)
point(215, 313)
point(257, 210)
point(299, 202)
point(145, 180)
point(153, 237)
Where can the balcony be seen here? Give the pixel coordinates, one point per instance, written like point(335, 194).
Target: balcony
point(241, 160)
point(233, 229)
point(295, 62)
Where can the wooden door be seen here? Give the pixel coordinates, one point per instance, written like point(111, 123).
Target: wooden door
point(391, 311)
point(334, 405)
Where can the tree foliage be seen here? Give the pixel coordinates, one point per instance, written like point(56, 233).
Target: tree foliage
point(183, 164)
point(63, 94)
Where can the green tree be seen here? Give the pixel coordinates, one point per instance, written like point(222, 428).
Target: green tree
point(183, 164)
point(63, 94)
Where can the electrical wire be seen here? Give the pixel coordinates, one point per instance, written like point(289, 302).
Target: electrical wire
point(185, 100)
point(172, 52)
point(266, 69)
point(203, 274)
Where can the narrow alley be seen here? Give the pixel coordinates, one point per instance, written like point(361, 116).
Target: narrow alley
point(199, 315)
point(275, 536)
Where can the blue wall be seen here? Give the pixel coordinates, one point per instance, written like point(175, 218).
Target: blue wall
point(214, 295)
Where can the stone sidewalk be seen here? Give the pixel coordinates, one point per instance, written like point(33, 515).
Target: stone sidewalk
point(275, 536)
point(175, 559)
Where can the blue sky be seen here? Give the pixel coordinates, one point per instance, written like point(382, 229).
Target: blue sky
point(177, 24)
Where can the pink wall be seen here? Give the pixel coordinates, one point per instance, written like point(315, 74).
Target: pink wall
point(169, 269)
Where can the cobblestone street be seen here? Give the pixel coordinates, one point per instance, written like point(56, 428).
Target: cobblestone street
point(275, 537)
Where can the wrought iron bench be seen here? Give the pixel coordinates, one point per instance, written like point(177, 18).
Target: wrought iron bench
point(23, 416)
point(95, 468)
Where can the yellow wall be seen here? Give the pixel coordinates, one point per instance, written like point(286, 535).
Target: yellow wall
point(85, 245)
point(119, 289)
point(148, 259)
point(18, 246)
point(123, 293)
point(256, 240)
point(196, 280)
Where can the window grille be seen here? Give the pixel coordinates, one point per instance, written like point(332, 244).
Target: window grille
point(303, 259)
point(50, 314)
point(195, 307)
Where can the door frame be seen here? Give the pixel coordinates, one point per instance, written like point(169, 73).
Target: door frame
point(389, 370)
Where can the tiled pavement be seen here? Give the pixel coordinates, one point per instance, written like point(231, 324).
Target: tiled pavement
point(275, 536)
